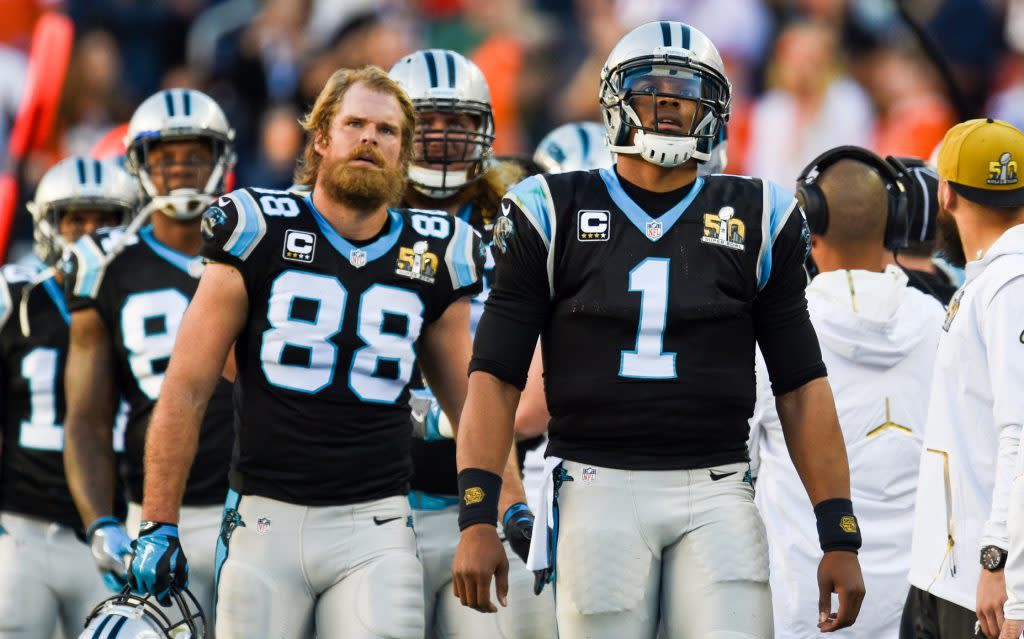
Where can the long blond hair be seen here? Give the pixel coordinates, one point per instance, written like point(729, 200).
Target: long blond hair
point(317, 123)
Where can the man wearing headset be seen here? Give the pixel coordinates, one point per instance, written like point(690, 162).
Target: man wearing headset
point(878, 337)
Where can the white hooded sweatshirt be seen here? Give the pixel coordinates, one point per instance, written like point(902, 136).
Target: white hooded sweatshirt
point(878, 339)
point(974, 422)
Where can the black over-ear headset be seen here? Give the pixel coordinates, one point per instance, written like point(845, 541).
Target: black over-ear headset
point(897, 226)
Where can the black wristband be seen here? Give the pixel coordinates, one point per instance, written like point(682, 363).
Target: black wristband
point(837, 525)
point(478, 497)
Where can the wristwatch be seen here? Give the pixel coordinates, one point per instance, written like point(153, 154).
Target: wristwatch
point(993, 558)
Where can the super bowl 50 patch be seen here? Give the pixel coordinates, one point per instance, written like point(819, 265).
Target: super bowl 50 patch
point(417, 263)
point(724, 229)
point(952, 309)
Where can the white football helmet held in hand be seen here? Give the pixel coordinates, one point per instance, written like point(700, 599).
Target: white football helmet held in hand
point(447, 159)
point(180, 115)
point(129, 616)
point(655, 67)
point(576, 146)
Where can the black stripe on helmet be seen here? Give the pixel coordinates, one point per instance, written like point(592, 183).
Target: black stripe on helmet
point(451, 69)
point(169, 103)
point(431, 68)
point(666, 34)
point(685, 32)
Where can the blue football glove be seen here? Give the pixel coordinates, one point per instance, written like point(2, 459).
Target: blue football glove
point(111, 549)
point(518, 524)
point(158, 564)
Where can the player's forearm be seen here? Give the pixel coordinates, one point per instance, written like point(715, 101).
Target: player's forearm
point(815, 440)
point(485, 432)
point(90, 468)
point(171, 443)
point(512, 491)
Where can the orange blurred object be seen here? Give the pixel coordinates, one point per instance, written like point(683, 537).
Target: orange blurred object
point(500, 57)
point(111, 145)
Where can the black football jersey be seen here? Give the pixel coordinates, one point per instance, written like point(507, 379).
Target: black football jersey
point(32, 396)
point(434, 468)
point(141, 288)
point(648, 323)
point(329, 346)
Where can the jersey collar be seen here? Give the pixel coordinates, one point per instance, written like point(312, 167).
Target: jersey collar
point(376, 249)
point(640, 219)
point(175, 258)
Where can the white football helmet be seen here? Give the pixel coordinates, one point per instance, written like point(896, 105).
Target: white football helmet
point(180, 114)
point(130, 616)
point(576, 146)
point(719, 155)
point(78, 183)
point(662, 61)
point(442, 81)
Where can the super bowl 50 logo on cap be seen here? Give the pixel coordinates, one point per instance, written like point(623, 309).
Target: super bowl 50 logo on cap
point(299, 246)
point(593, 226)
point(1003, 171)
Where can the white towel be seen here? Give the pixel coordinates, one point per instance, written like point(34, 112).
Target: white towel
point(543, 518)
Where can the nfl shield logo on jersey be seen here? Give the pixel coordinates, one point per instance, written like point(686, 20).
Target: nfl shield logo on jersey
point(654, 230)
point(589, 474)
point(357, 258)
point(262, 526)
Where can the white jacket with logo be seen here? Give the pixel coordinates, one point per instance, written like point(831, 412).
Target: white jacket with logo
point(974, 420)
point(878, 340)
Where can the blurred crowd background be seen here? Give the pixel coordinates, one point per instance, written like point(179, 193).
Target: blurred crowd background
point(807, 75)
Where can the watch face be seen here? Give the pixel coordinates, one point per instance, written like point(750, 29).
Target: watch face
point(991, 557)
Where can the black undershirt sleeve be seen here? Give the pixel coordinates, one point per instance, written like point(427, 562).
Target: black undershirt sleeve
point(517, 306)
point(782, 325)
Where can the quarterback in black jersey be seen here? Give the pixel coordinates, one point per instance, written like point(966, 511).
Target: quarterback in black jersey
point(650, 286)
point(332, 299)
point(127, 293)
point(39, 525)
point(453, 170)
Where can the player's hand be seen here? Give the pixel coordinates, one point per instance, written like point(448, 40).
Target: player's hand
point(478, 557)
point(426, 417)
point(111, 549)
point(991, 597)
point(1012, 629)
point(839, 572)
point(158, 564)
point(518, 524)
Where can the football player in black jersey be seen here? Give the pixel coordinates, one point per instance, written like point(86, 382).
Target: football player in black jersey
point(649, 286)
point(333, 298)
point(127, 297)
point(453, 170)
point(39, 525)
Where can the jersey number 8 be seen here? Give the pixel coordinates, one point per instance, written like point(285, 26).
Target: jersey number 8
point(330, 299)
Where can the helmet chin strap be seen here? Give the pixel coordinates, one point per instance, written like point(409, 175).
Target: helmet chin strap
point(668, 151)
point(181, 204)
point(437, 184)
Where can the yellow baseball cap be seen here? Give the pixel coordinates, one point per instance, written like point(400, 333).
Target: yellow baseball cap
point(980, 159)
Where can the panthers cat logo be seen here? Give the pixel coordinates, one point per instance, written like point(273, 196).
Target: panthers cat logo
point(231, 521)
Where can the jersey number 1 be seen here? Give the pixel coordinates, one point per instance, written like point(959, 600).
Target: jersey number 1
point(648, 361)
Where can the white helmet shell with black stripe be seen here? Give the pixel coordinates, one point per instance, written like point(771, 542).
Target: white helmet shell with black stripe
point(576, 146)
point(443, 81)
point(180, 114)
point(78, 182)
point(672, 53)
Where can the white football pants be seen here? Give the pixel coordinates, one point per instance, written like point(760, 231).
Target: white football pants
point(527, 616)
point(342, 572)
point(46, 576)
point(639, 548)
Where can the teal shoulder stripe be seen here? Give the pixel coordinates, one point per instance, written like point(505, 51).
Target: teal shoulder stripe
point(534, 199)
point(459, 256)
point(91, 264)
